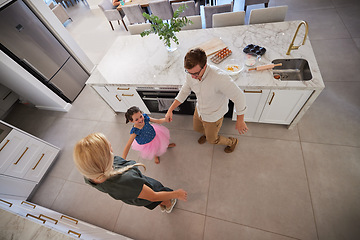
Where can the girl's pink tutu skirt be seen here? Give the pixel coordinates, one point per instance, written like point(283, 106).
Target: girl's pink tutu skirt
point(157, 146)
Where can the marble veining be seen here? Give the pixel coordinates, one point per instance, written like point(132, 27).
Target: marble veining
point(137, 61)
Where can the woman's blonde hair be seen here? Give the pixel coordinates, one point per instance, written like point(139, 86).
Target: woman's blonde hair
point(94, 159)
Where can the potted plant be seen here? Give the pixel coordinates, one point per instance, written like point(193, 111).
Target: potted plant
point(166, 30)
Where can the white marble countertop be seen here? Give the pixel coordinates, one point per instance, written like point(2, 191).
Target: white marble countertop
point(136, 61)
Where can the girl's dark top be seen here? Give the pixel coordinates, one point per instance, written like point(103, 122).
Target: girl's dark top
point(146, 134)
point(127, 186)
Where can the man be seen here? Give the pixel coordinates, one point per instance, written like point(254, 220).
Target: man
point(213, 89)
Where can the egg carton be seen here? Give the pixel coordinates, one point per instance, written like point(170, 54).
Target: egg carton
point(221, 55)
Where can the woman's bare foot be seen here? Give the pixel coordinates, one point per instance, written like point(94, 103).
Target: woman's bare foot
point(157, 160)
point(171, 145)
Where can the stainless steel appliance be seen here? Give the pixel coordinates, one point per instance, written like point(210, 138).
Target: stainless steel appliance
point(27, 40)
point(152, 97)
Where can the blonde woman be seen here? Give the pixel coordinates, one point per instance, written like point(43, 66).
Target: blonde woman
point(121, 179)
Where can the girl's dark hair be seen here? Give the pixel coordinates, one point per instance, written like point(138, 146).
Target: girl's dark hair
point(130, 112)
point(194, 57)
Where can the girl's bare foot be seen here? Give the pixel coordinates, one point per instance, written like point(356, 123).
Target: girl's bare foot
point(171, 145)
point(157, 160)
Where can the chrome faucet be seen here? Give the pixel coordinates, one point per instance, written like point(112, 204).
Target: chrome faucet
point(292, 47)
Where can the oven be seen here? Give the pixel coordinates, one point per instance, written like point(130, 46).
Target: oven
point(159, 99)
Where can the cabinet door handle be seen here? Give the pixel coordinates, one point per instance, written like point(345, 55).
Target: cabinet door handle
point(127, 95)
point(63, 216)
point(30, 215)
point(119, 88)
point(118, 98)
point(33, 205)
point(7, 95)
point(21, 156)
point(42, 215)
point(73, 232)
point(272, 98)
point(7, 141)
point(38, 161)
point(10, 204)
point(248, 91)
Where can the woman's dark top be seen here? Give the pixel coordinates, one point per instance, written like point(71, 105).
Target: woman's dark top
point(127, 186)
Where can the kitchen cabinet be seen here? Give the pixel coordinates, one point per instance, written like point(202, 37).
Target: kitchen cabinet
point(255, 101)
point(67, 225)
point(121, 98)
point(24, 160)
point(282, 106)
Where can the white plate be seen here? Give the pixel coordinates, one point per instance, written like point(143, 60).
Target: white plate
point(234, 68)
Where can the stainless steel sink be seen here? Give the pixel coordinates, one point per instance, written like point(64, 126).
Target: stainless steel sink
point(296, 69)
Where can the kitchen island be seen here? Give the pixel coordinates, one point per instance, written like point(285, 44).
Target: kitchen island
point(133, 61)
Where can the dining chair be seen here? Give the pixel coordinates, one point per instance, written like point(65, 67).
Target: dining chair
point(228, 19)
point(252, 2)
point(162, 9)
point(59, 12)
point(138, 28)
point(134, 13)
point(196, 23)
point(211, 10)
point(111, 13)
point(267, 15)
point(191, 9)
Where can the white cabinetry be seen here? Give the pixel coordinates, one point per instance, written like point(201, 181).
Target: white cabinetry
point(24, 159)
point(255, 101)
point(283, 105)
point(121, 98)
point(56, 221)
point(274, 106)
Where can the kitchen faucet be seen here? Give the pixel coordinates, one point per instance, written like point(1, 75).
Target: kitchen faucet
point(292, 47)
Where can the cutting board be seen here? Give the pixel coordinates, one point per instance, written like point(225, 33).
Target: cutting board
point(212, 46)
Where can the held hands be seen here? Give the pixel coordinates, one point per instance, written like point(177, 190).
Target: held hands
point(168, 116)
point(181, 194)
point(241, 127)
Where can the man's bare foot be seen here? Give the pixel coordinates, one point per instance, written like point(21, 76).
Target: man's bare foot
point(171, 145)
point(157, 160)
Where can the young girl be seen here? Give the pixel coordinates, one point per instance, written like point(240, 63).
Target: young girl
point(121, 179)
point(151, 140)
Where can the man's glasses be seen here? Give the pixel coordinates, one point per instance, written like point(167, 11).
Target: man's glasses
point(194, 74)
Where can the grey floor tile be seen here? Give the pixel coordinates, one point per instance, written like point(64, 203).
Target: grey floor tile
point(66, 131)
point(334, 117)
point(261, 130)
point(87, 204)
point(186, 166)
point(262, 184)
point(30, 119)
point(295, 5)
point(134, 221)
point(338, 59)
point(351, 17)
point(47, 191)
point(346, 3)
point(334, 180)
point(218, 229)
point(88, 105)
point(357, 42)
point(64, 164)
point(323, 23)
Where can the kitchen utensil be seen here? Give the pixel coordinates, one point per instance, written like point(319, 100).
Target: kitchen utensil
point(265, 67)
point(212, 46)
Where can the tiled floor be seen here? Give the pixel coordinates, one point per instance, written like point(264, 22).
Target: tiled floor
point(278, 184)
